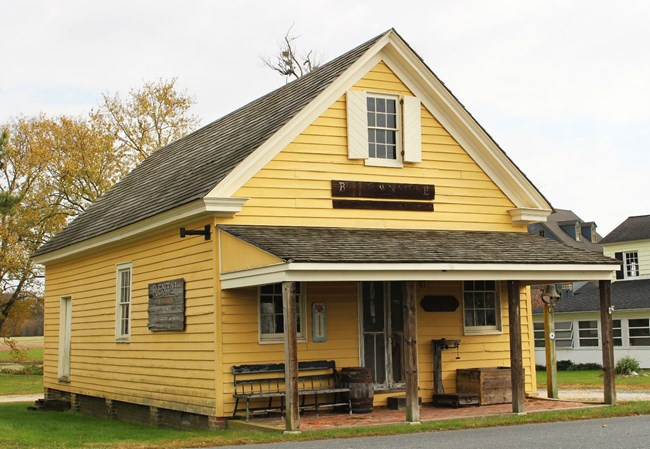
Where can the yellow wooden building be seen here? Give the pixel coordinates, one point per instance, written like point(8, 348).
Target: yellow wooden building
point(364, 191)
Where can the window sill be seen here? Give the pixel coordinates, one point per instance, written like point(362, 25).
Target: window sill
point(280, 341)
point(123, 340)
point(376, 162)
point(64, 380)
point(469, 332)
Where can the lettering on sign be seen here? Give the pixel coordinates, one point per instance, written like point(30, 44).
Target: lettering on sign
point(167, 306)
point(382, 195)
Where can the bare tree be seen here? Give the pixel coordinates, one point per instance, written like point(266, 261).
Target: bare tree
point(288, 61)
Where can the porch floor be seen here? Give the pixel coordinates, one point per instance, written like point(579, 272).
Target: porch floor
point(383, 415)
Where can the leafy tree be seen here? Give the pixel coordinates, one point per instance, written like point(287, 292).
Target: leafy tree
point(148, 119)
point(52, 168)
point(288, 61)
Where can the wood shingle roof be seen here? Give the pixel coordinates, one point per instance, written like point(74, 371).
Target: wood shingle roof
point(350, 245)
point(188, 169)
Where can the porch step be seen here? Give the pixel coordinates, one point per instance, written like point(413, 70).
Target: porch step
point(455, 400)
point(51, 405)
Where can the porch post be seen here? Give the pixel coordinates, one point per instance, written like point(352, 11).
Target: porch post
point(607, 341)
point(411, 352)
point(516, 358)
point(292, 415)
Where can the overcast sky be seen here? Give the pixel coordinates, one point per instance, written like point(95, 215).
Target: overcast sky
point(562, 86)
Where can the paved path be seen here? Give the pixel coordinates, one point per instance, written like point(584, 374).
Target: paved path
point(21, 398)
point(612, 433)
point(598, 395)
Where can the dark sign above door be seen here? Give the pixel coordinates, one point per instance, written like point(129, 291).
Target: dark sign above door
point(167, 306)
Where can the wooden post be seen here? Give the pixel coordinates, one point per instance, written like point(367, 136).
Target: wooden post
point(607, 341)
point(551, 355)
point(292, 415)
point(411, 352)
point(516, 358)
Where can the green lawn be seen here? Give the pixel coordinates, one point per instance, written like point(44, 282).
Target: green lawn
point(33, 355)
point(22, 429)
point(594, 379)
point(20, 384)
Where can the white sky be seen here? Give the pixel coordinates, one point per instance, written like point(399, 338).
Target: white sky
point(562, 86)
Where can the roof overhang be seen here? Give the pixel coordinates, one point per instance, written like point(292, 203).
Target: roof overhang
point(332, 272)
point(195, 210)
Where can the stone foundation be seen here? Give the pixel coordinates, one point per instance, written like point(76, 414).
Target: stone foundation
point(142, 414)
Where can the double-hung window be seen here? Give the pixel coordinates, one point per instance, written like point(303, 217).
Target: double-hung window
point(481, 308)
point(123, 303)
point(631, 264)
point(271, 312)
point(639, 331)
point(588, 333)
point(539, 334)
point(384, 129)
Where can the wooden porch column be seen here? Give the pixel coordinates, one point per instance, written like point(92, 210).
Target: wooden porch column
point(411, 352)
point(607, 341)
point(292, 415)
point(516, 358)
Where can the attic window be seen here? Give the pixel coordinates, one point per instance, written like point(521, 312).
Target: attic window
point(383, 129)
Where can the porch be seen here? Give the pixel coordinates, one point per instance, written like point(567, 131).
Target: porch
point(384, 416)
point(422, 268)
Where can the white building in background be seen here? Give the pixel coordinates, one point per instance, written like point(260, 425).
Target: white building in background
point(577, 317)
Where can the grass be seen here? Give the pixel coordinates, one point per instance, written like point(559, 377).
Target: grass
point(21, 429)
point(31, 355)
point(20, 384)
point(594, 379)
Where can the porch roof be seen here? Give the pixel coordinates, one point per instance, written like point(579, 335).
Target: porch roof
point(322, 253)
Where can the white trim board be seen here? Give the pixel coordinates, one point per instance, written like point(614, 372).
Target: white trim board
point(332, 272)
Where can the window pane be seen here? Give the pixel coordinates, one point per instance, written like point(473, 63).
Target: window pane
point(381, 104)
point(390, 106)
point(381, 151)
point(380, 136)
point(480, 304)
point(391, 121)
point(371, 103)
point(371, 119)
point(639, 323)
point(390, 152)
point(588, 324)
point(381, 120)
point(372, 150)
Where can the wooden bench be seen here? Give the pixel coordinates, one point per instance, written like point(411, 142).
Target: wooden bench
point(266, 381)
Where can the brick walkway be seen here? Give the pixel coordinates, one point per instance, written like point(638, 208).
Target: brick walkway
point(382, 415)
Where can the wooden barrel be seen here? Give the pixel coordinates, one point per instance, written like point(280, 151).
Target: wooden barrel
point(362, 391)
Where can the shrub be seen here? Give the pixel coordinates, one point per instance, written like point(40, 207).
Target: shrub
point(627, 365)
point(564, 365)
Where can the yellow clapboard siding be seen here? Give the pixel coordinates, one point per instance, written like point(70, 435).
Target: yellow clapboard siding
point(148, 369)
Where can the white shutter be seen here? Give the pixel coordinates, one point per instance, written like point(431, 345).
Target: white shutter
point(412, 130)
point(357, 125)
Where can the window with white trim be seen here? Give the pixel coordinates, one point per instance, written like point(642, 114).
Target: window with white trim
point(588, 333)
point(564, 334)
point(384, 129)
point(271, 312)
point(639, 331)
point(631, 264)
point(481, 306)
point(617, 333)
point(123, 303)
point(538, 329)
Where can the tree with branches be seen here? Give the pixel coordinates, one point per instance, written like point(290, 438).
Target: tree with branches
point(288, 61)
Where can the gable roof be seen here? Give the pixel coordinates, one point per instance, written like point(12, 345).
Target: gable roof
point(212, 162)
point(633, 228)
point(189, 168)
point(350, 245)
point(626, 295)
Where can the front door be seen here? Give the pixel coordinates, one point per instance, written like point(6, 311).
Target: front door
point(383, 332)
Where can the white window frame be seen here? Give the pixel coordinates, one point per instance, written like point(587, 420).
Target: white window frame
point(122, 335)
point(560, 334)
point(630, 338)
point(587, 329)
point(490, 329)
point(630, 260)
point(620, 332)
point(278, 337)
point(539, 334)
point(65, 338)
point(385, 162)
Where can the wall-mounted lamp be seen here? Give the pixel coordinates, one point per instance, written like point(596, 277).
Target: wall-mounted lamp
point(205, 232)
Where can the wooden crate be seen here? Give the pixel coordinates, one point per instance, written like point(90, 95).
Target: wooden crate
point(491, 385)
